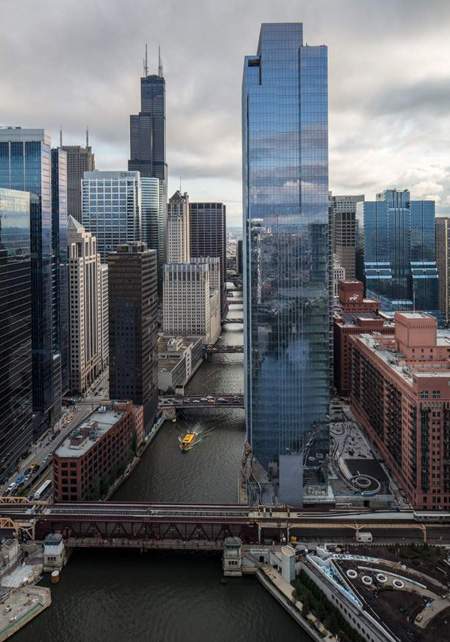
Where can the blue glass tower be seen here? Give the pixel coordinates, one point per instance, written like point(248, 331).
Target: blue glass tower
point(286, 254)
point(25, 164)
point(398, 250)
point(15, 329)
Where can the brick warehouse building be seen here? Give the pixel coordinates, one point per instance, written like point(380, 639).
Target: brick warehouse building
point(97, 452)
point(356, 315)
point(400, 393)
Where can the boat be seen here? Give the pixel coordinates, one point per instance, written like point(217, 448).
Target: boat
point(188, 440)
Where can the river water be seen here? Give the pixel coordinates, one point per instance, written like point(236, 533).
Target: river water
point(123, 596)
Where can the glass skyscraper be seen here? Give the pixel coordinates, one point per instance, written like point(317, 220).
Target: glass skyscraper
point(148, 148)
point(112, 208)
point(398, 254)
point(286, 250)
point(25, 164)
point(15, 329)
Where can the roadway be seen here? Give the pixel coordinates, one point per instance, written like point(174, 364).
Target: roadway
point(199, 401)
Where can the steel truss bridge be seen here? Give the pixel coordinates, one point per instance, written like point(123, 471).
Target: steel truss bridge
point(233, 320)
point(205, 526)
point(224, 349)
point(202, 401)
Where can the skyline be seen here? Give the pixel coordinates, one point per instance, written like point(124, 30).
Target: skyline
point(388, 87)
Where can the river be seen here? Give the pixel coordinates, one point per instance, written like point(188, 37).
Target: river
point(123, 596)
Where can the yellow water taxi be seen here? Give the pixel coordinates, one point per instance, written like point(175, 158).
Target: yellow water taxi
point(188, 440)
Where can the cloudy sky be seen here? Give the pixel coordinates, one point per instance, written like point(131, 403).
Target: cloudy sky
point(75, 62)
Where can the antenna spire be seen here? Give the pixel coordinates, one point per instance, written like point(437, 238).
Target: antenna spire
point(160, 66)
point(146, 62)
point(60, 137)
point(87, 136)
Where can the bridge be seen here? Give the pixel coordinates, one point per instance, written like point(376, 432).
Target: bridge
point(205, 526)
point(233, 320)
point(202, 401)
point(224, 349)
point(238, 300)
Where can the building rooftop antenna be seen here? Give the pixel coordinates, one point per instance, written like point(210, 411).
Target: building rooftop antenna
point(60, 137)
point(160, 66)
point(87, 136)
point(146, 61)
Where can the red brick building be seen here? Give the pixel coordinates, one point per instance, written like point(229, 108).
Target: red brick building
point(356, 315)
point(400, 393)
point(97, 452)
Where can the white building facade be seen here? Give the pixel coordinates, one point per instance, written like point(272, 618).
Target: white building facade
point(85, 313)
point(178, 233)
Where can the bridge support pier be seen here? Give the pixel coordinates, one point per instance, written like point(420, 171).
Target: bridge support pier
point(170, 413)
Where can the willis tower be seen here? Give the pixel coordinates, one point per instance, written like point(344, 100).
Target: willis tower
point(148, 156)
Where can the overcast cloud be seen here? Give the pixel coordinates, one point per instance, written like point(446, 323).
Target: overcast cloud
point(75, 62)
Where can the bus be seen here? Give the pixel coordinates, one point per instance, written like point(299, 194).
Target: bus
point(43, 489)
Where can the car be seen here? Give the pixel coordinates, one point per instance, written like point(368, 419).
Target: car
point(195, 401)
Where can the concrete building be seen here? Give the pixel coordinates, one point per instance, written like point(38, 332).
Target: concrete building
point(85, 308)
point(443, 265)
point(178, 359)
point(215, 276)
point(112, 204)
point(400, 393)
point(79, 160)
point(97, 452)
point(208, 238)
point(355, 315)
point(338, 275)
point(343, 231)
point(191, 307)
point(133, 305)
point(16, 408)
point(178, 239)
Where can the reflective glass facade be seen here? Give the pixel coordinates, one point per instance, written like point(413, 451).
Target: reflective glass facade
point(112, 208)
point(15, 329)
point(399, 260)
point(25, 164)
point(286, 250)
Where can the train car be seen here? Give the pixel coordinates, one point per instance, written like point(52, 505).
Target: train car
point(432, 516)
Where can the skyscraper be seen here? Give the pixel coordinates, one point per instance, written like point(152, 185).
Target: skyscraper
point(286, 272)
point(16, 409)
point(133, 303)
point(25, 164)
point(60, 263)
point(191, 305)
point(79, 160)
point(443, 264)
point(151, 212)
point(85, 301)
point(112, 204)
point(208, 238)
point(398, 245)
point(178, 240)
point(343, 222)
point(148, 145)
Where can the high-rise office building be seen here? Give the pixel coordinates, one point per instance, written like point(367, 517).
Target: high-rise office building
point(133, 304)
point(443, 265)
point(112, 204)
point(60, 264)
point(178, 240)
point(397, 240)
point(239, 257)
point(148, 146)
point(25, 164)
point(151, 212)
point(104, 314)
point(286, 271)
point(85, 305)
point(79, 160)
point(16, 407)
point(191, 307)
point(343, 231)
point(208, 238)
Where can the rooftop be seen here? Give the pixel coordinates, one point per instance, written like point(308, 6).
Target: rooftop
point(86, 434)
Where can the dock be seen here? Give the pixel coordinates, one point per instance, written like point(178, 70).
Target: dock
point(20, 606)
